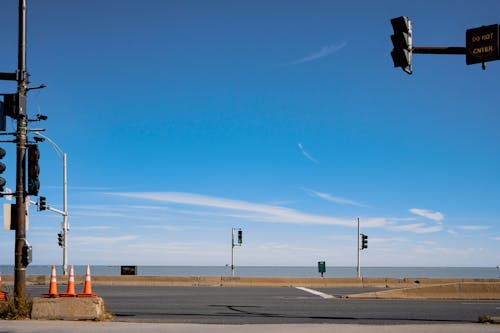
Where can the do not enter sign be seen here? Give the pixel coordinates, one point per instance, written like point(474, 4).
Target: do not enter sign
point(482, 44)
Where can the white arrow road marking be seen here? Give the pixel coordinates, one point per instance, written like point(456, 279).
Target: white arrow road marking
point(315, 292)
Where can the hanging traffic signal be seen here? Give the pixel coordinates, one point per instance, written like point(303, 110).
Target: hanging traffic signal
point(60, 239)
point(402, 43)
point(33, 170)
point(3, 118)
point(42, 204)
point(240, 237)
point(364, 241)
point(2, 169)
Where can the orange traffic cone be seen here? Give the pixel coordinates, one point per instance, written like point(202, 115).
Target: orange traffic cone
point(53, 284)
point(87, 287)
point(70, 291)
point(2, 293)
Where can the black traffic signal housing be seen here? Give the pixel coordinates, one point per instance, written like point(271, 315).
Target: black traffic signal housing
point(3, 118)
point(14, 105)
point(33, 170)
point(402, 43)
point(42, 203)
point(27, 255)
point(364, 241)
point(2, 169)
point(60, 239)
point(240, 236)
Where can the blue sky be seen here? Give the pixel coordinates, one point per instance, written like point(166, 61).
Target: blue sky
point(183, 119)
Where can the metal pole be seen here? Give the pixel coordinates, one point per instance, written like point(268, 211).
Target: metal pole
point(359, 268)
point(439, 50)
point(65, 216)
point(232, 251)
point(19, 268)
point(64, 212)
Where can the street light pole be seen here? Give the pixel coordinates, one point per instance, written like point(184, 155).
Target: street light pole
point(65, 216)
point(64, 213)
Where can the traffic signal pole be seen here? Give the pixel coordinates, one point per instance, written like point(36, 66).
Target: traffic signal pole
point(22, 82)
point(358, 248)
point(232, 251)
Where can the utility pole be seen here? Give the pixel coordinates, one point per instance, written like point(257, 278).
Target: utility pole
point(15, 107)
point(64, 212)
point(22, 83)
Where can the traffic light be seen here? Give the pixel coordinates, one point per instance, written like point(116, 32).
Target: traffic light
point(60, 239)
point(402, 43)
point(3, 118)
point(27, 255)
point(2, 169)
point(240, 237)
point(33, 170)
point(42, 204)
point(364, 241)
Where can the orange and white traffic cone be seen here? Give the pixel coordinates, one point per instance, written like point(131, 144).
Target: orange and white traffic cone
point(53, 284)
point(2, 293)
point(70, 291)
point(87, 287)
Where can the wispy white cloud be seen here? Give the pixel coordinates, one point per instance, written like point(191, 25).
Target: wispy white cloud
point(419, 228)
point(102, 239)
point(95, 227)
point(334, 199)
point(306, 154)
point(250, 211)
point(428, 214)
point(171, 227)
point(323, 52)
point(473, 227)
point(388, 240)
point(203, 206)
point(496, 238)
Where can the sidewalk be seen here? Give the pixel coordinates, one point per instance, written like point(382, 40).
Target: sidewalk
point(30, 326)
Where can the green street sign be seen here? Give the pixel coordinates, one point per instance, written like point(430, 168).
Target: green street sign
point(321, 267)
point(482, 44)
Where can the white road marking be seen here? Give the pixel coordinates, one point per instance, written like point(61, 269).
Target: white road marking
point(315, 292)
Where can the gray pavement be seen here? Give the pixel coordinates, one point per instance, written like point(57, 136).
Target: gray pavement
point(120, 327)
point(278, 305)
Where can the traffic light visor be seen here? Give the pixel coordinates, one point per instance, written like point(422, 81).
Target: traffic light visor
point(401, 24)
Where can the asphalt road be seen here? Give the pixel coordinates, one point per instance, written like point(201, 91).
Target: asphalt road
point(255, 305)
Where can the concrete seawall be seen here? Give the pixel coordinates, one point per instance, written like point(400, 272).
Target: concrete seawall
point(457, 290)
point(226, 281)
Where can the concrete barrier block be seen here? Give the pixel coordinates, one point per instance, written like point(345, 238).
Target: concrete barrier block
point(69, 308)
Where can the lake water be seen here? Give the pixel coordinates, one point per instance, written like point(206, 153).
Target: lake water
point(274, 271)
